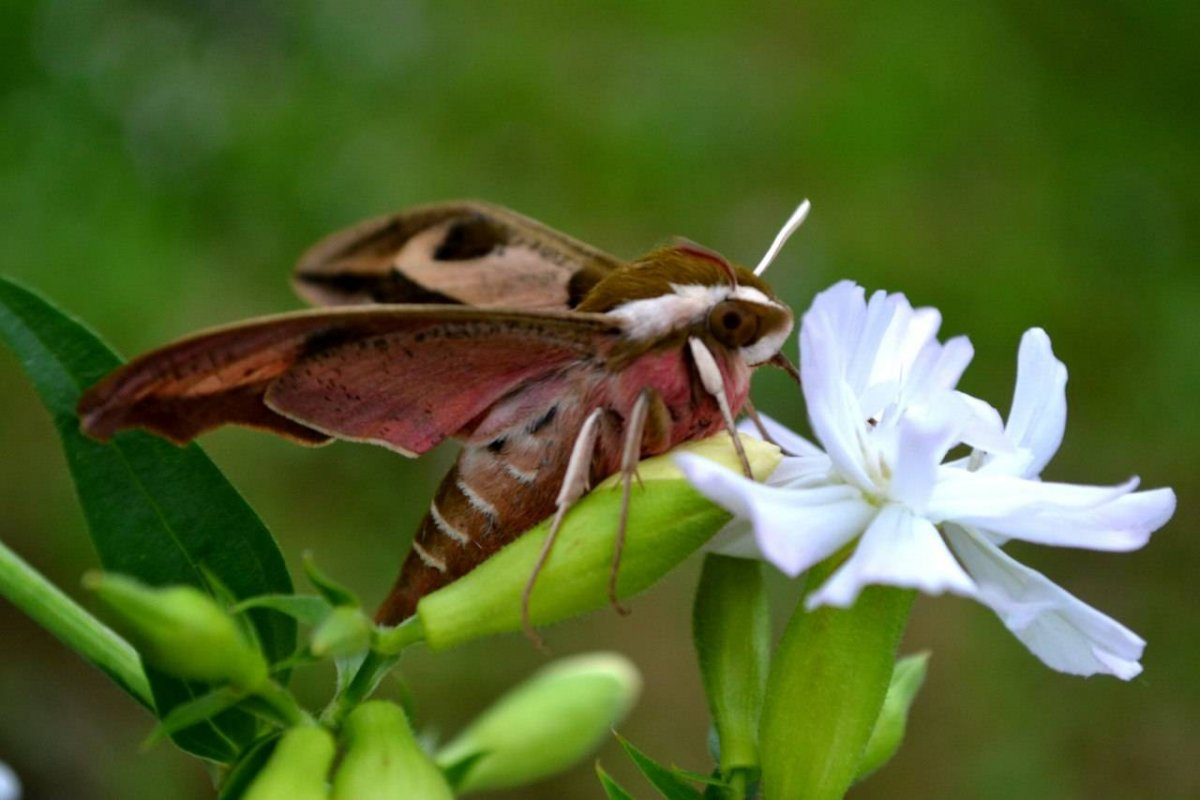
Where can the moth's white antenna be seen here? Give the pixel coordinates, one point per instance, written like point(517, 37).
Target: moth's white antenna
point(789, 227)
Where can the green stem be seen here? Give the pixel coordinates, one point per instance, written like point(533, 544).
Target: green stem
point(283, 704)
point(48, 606)
point(739, 784)
point(364, 682)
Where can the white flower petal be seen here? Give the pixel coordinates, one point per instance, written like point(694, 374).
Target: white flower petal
point(937, 369)
point(802, 472)
point(1063, 631)
point(837, 420)
point(1068, 515)
point(898, 549)
point(794, 528)
point(924, 436)
point(1039, 410)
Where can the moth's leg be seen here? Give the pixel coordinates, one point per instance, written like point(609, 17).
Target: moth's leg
point(752, 413)
point(714, 384)
point(648, 426)
point(574, 485)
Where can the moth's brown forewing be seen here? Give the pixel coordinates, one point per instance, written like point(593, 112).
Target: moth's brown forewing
point(467, 252)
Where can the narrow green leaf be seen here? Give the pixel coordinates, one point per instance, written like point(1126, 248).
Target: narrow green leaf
point(155, 511)
point(893, 717)
point(251, 762)
point(185, 715)
point(825, 689)
point(663, 778)
point(612, 789)
point(731, 626)
point(307, 608)
point(330, 589)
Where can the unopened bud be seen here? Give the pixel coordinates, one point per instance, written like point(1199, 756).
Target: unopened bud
point(545, 725)
point(383, 760)
point(668, 520)
point(181, 630)
point(345, 631)
point(298, 768)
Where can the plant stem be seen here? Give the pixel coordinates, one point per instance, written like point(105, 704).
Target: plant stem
point(364, 682)
point(48, 606)
point(281, 701)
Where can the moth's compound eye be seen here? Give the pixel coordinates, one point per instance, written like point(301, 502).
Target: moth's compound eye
point(733, 324)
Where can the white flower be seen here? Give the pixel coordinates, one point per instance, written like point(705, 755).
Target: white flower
point(881, 398)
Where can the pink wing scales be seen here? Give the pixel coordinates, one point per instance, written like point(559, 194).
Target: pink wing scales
point(402, 376)
point(415, 387)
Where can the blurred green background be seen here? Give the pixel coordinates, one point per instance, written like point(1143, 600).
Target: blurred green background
point(1013, 163)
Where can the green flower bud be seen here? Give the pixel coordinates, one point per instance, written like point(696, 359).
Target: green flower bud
point(345, 631)
point(668, 520)
point(732, 629)
point(545, 725)
point(893, 717)
point(383, 760)
point(181, 630)
point(298, 768)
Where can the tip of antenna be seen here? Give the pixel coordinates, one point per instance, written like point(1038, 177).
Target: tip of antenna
point(789, 227)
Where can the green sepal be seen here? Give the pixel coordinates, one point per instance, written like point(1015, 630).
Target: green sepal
point(731, 627)
point(888, 734)
point(307, 608)
point(667, 780)
point(612, 789)
point(827, 683)
point(668, 520)
point(331, 590)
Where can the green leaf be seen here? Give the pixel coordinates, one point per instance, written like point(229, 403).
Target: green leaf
point(155, 511)
point(307, 608)
point(826, 686)
point(185, 715)
point(247, 767)
point(893, 717)
point(612, 789)
point(731, 626)
point(330, 589)
point(669, 784)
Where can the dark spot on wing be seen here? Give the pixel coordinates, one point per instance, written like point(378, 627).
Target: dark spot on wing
point(470, 237)
point(390, 287)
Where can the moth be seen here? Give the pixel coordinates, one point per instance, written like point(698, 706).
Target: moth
point(555, 364)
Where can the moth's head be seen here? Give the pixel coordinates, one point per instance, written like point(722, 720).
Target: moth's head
point(686, 290)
